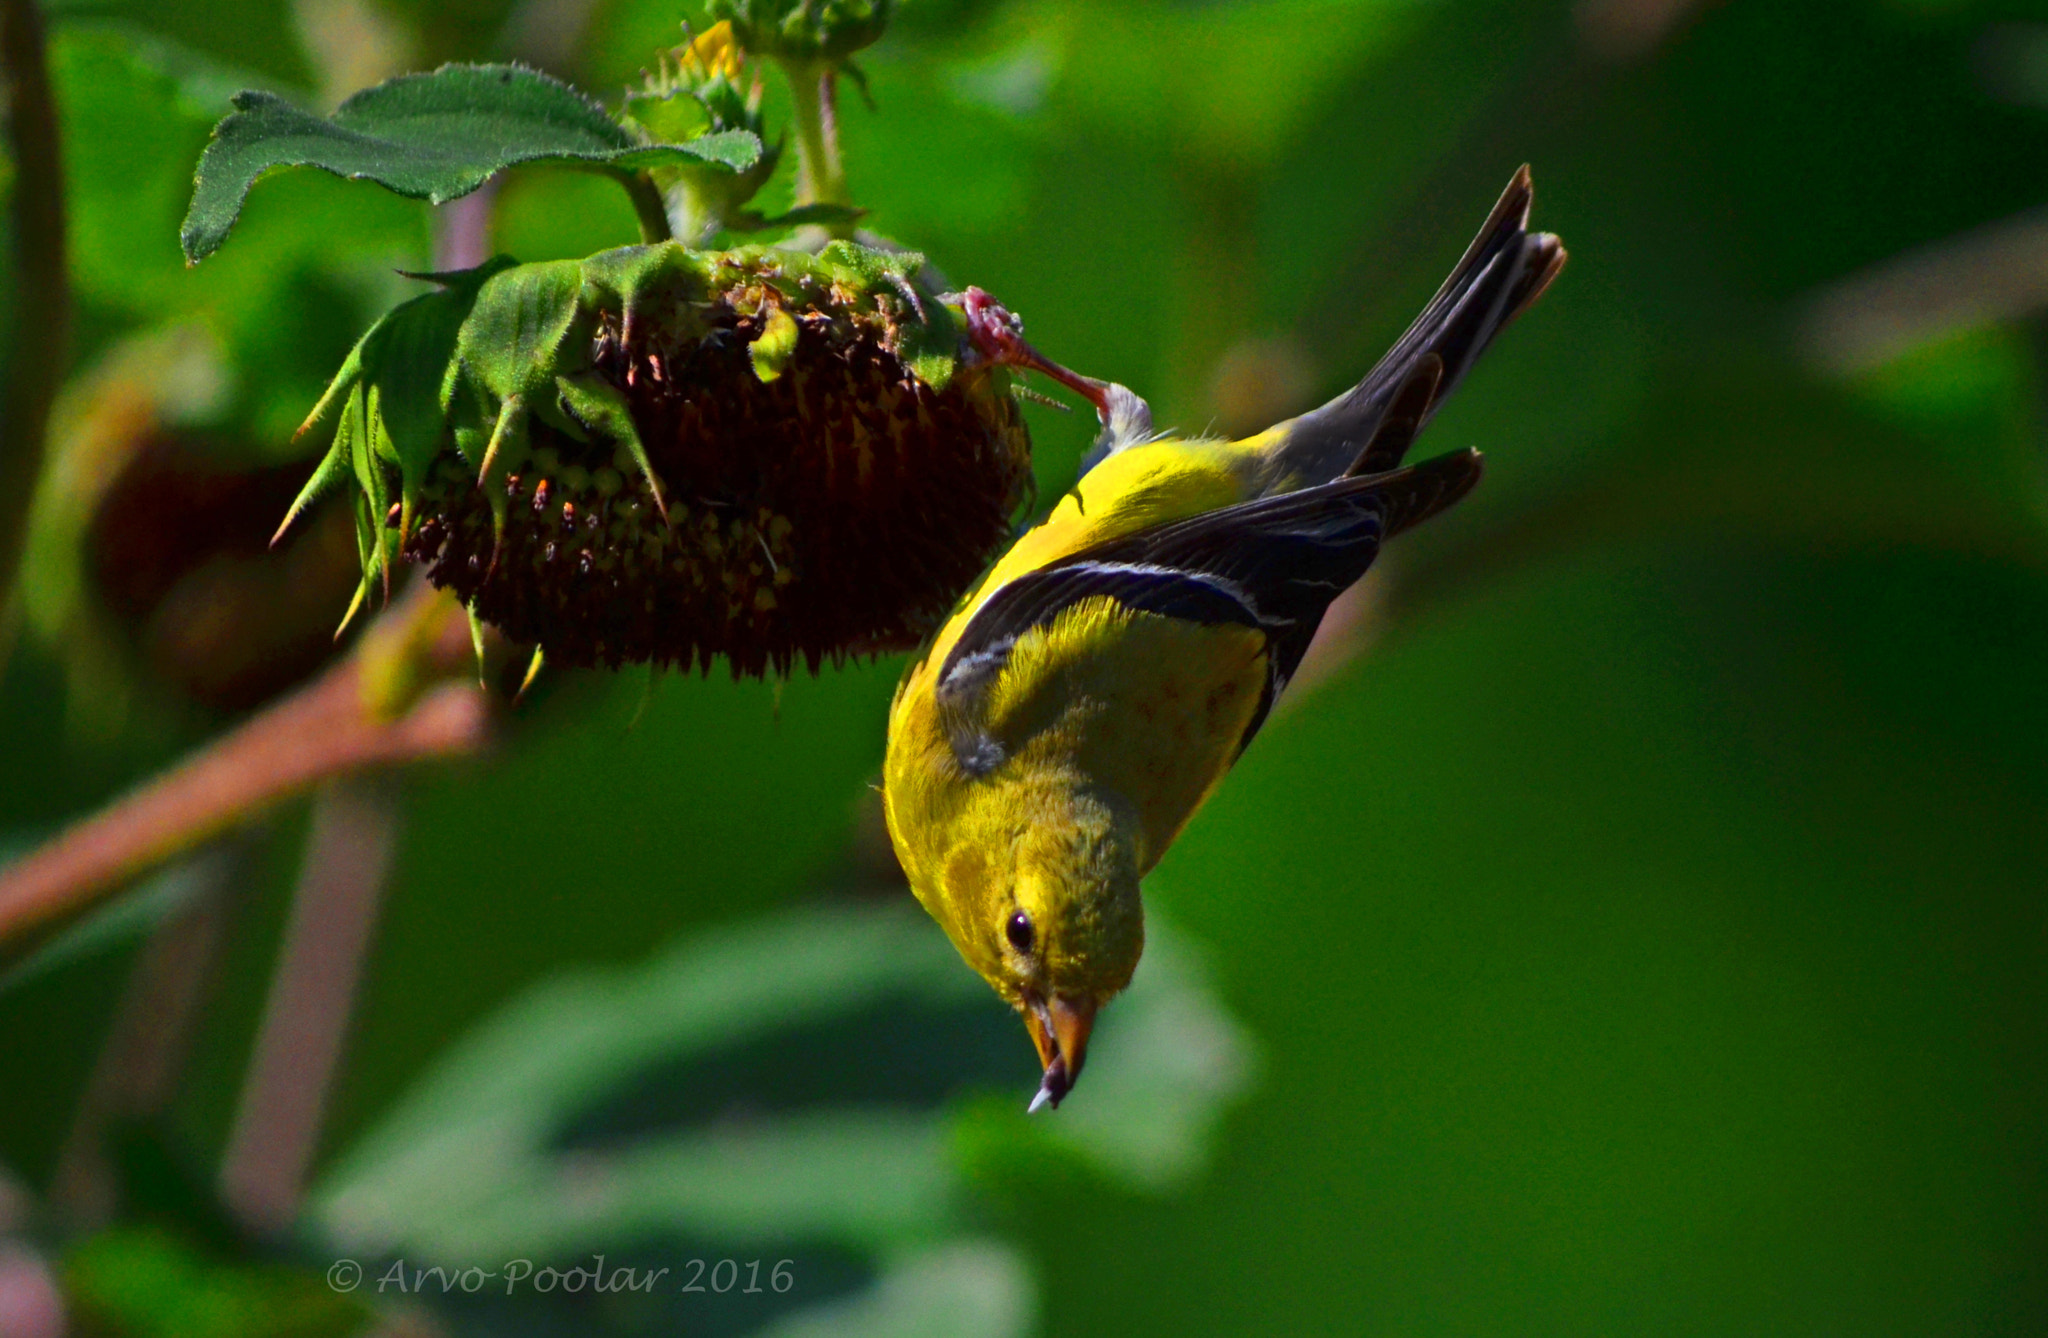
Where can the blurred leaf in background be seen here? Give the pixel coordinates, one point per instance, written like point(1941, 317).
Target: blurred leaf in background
point(1646, 934)
point(781, 1091)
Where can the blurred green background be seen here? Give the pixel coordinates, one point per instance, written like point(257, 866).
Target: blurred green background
point(1640, 925)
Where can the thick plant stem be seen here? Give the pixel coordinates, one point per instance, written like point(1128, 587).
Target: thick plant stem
point(821, 173)
point(37, 345)
point(462, 229)
point(407, 694)
point(648, 207)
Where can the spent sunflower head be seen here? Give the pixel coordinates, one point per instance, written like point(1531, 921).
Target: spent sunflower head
point(659, 454)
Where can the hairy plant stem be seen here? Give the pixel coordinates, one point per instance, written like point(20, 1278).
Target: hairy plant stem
point(821, 173)
point(648, 206)
point(35, 349)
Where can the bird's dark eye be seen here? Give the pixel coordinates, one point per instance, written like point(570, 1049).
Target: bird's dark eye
point(1019, 930)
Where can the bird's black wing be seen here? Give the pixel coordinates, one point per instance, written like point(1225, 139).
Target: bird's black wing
point(1273, 564)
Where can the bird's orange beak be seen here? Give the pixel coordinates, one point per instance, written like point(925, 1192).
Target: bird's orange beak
point(1059, 1028)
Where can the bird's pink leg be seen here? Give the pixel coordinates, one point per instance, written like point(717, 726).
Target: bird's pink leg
point(998, 337)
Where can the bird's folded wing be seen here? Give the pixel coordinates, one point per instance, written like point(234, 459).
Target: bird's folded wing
point(1272, 565)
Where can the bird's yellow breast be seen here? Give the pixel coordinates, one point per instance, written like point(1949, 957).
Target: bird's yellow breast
point(1146, 711)
point(1142, 708)
point(1148, 708)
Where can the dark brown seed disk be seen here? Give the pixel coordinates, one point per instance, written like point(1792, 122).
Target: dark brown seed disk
point(839, 508)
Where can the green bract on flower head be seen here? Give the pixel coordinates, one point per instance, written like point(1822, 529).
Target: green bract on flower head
point(671, 455)
point(804, 30)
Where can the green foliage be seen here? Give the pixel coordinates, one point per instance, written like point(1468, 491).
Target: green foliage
point(433, 137)
point(145, 1282)
point(859, 1050)
point(1644, 935)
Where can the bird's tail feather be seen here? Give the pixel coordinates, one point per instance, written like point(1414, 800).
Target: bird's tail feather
point(1369, 428)
point(1418, 492)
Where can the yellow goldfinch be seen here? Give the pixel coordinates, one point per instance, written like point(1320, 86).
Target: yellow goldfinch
point(1081, 703)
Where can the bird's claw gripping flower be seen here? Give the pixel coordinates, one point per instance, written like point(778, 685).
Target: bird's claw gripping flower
point(997, 337)
point(659, 454)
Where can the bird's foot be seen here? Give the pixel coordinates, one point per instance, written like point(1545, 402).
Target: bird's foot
point(998, 336)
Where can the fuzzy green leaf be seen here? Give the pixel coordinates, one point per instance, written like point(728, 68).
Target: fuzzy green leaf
point(870, 265)
point(430, 137)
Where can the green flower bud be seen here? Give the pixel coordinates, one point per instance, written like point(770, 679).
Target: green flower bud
point(801, 31)
point(703, 87)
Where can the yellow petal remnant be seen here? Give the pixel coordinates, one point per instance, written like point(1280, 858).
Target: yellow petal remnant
point(713, 53)
point(776, 346)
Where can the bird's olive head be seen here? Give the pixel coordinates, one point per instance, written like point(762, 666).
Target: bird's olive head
point(1055, 923)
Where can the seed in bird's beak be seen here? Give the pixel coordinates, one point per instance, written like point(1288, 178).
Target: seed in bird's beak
point(1059, 1029)
point(1051, 1090)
